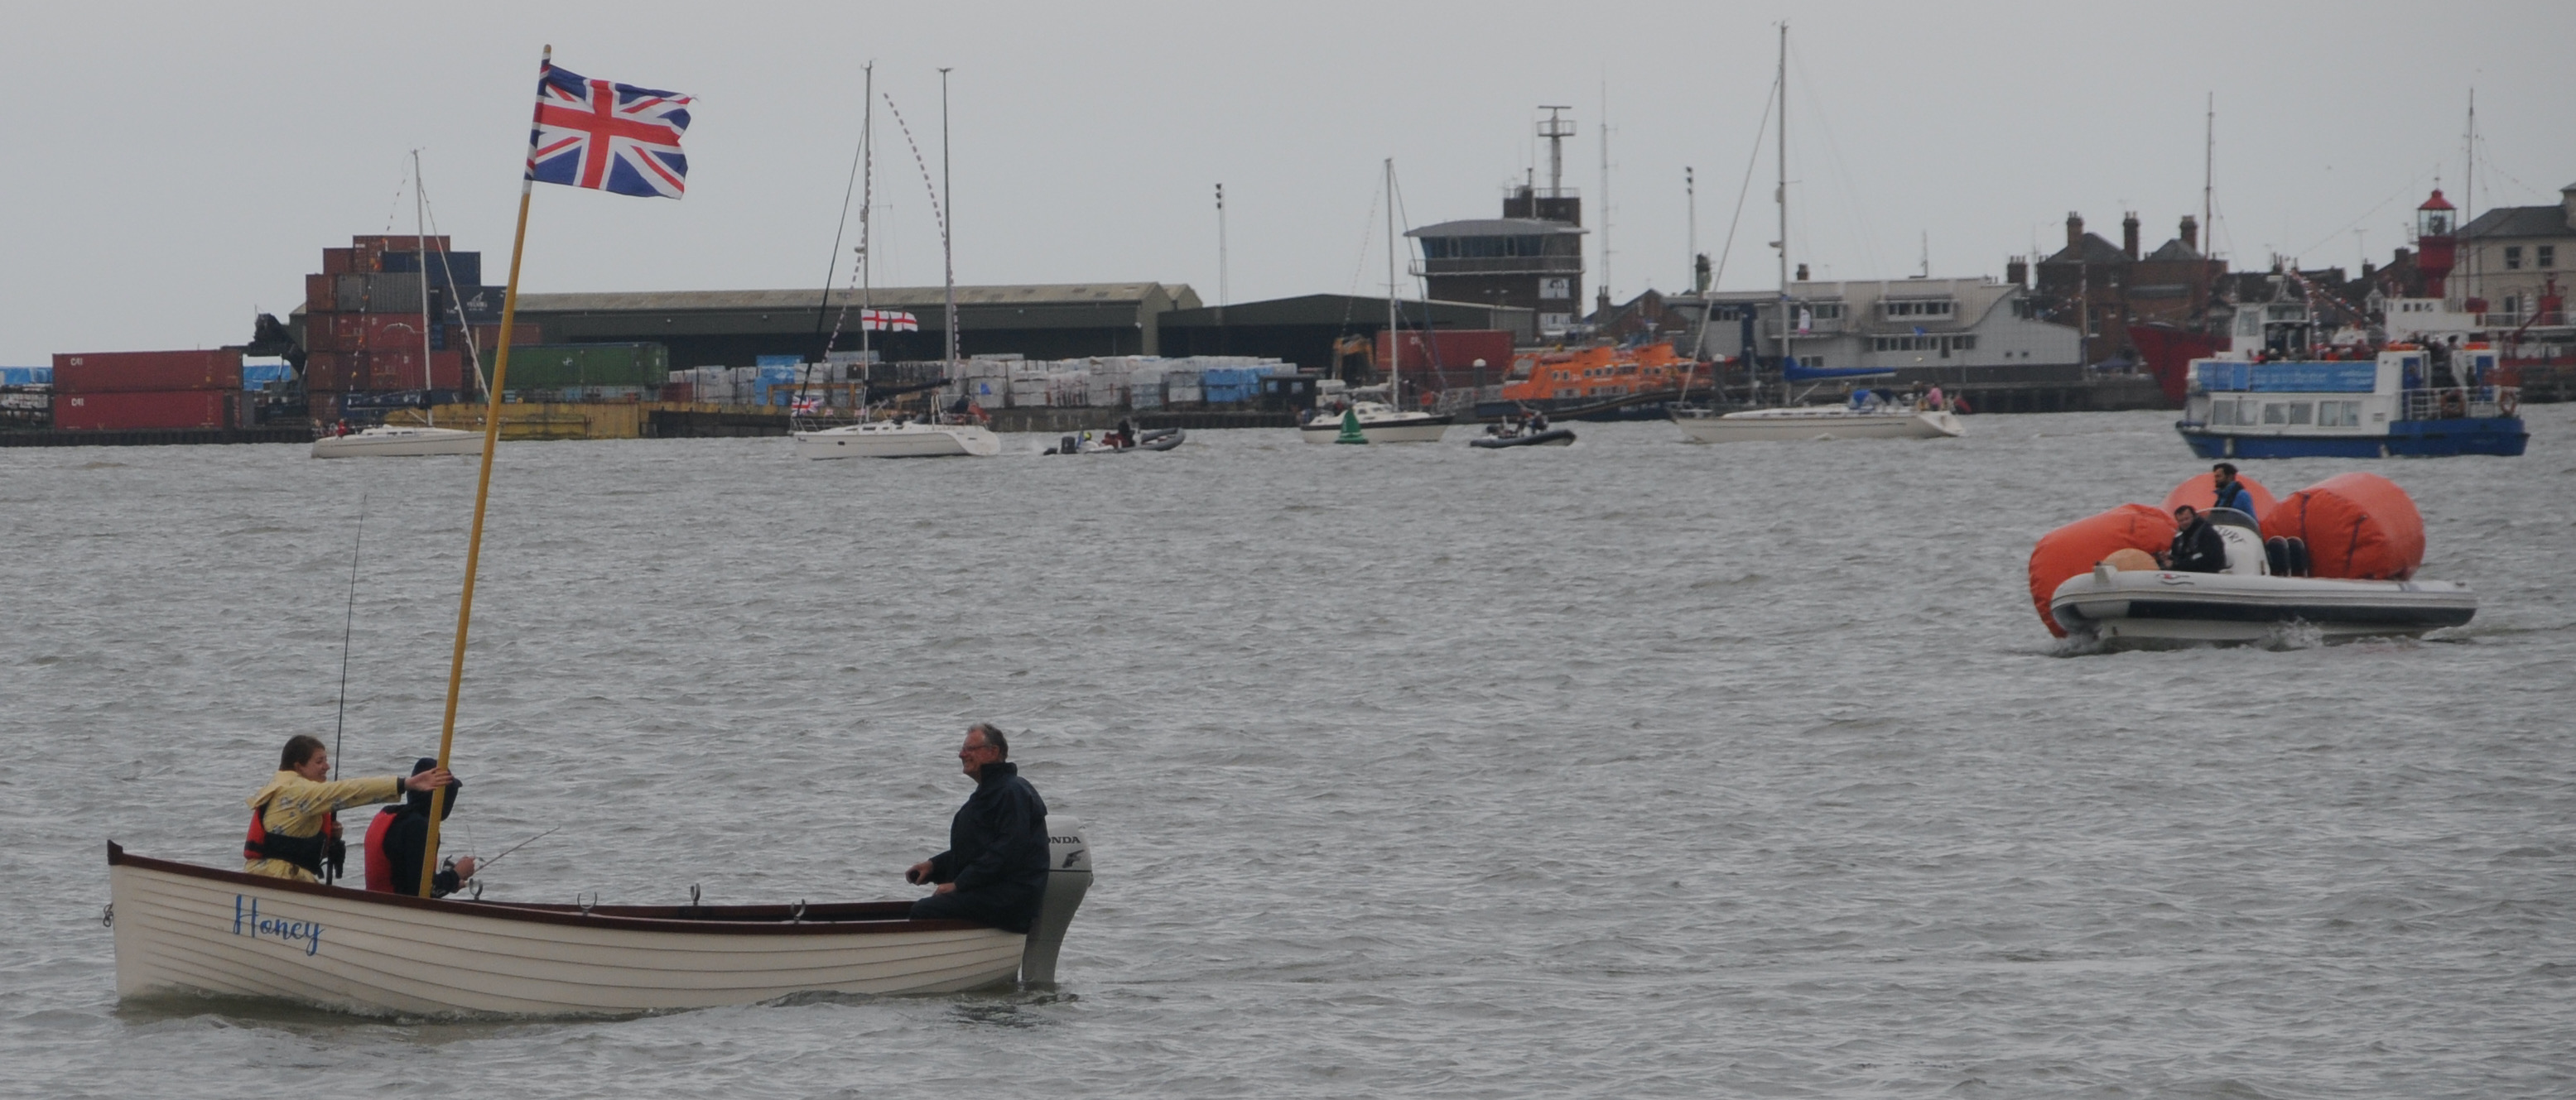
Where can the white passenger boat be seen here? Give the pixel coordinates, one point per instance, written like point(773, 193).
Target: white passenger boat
point(1815, 422)
point(2249, 602)
point(181, 928)
point(899, 439)
point(394, 440)
point(1379, 422)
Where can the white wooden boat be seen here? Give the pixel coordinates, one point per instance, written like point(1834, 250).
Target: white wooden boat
point(399, 441)
point(2248, 602)
point(1816, 422)
point(1379, 422)
point(899, 439)
point(181, 928)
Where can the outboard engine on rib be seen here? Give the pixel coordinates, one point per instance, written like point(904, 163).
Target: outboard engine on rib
point(1068, 878)
point(2261, 592)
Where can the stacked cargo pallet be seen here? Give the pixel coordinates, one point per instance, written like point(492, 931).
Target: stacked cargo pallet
point(1116, 381)
point(365, 329)
point(149, 390)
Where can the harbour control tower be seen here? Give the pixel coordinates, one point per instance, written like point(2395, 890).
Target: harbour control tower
point(1530, 258)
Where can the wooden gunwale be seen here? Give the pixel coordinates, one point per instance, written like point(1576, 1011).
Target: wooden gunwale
point(827, 919)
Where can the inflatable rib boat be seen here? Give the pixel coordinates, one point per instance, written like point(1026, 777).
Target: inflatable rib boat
point(2257, 597)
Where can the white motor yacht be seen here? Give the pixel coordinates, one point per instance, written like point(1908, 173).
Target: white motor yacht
point(394, 440)
point(1379, 423)
point(1816, 422)
point(899, 439)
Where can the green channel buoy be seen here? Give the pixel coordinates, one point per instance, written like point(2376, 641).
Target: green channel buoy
point(1350, 428)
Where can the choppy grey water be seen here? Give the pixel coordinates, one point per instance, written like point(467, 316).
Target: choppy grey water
point(1632, 769)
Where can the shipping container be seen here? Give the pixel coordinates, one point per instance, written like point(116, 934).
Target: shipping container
point(141, 371)
point(143, 409)
point(437, 243)
point(463, 269)
point(339, 261)
point(375, 293)
point(321, 293)
point(523, 334)
point(479, 305)
point(567, 366)
point(26, 376)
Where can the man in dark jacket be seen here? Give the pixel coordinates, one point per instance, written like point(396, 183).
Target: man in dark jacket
point(2197, 547)
point(398, 836)
point(995, 868)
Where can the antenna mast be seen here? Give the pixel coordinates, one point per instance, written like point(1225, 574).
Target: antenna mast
point(1781, 194)
point(2208, 170)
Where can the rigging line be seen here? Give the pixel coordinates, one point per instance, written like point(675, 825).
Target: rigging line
point(348, 621)
point(2402, 191)
point(455, 301)
point(1851, 194)
point(1718, 277)
point(1359, 264)
point(831, 267)
point(936, 213)
point(1430, 347)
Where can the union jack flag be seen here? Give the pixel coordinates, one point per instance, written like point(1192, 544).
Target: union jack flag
point(888, 320)
point(608, 137)
point(810, 405)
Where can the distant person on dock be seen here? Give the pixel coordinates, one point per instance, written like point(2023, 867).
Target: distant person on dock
point(2231, 492)
point(995, 868)
point(2197, 548)
point(398, 836)
point(292, 830)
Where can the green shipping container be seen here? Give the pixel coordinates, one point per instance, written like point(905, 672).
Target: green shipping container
point(567, 366)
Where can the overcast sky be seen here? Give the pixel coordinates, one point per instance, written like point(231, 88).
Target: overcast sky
point(172, 168)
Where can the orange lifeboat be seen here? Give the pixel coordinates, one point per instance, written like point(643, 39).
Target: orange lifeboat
point(1586, 375)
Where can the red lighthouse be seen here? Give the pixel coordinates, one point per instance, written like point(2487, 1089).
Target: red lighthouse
point(2436, 249)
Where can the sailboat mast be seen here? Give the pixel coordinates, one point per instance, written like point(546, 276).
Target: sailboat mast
point(1780, 192)
point(420, 248)
point(2208, 174)
point(867, 206)
point(1394, 352)
point(947, 220)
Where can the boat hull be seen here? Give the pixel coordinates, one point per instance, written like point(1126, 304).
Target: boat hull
point(883, 440)
point(2139, 606)
point(2503, 436)
point(1822, 423)
point(180, 928)
point(1412, 428)
point(399, 443)
point(1553, 437)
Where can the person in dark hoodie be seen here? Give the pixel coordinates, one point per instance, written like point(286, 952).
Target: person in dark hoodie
point(2197, 547)
point(398, 835)
point(995, 868)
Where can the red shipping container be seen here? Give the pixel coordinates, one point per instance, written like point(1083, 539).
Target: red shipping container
point(321, 293)
point(329, 371)
point(1450, 357)
point(146, 410)
point(447, 369)
point(395, 369)
point(680, 392)
point(338, 261)
point(141, 371)
point(388, 331)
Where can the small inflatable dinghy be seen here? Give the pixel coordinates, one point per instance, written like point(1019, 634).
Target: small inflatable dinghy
point(1501, 436)
point(1097, 443)
point(2260, 595)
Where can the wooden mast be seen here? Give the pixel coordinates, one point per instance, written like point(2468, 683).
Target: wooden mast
point(482, 495)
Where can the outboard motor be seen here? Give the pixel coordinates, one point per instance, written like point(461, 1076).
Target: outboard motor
point(1068, 878)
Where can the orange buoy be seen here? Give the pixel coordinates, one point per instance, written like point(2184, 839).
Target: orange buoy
point(2357, 526)
point(2073, 550)
point(2201, 491)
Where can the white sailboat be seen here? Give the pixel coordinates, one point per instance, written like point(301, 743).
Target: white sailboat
point(1862, 421)
point(407, 440)
point(939, 434)
point(1386, 421)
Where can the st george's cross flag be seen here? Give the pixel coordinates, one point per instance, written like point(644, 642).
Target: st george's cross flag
point(888, 320)
point(608, 136)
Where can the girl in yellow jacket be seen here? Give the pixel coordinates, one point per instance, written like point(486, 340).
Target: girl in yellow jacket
point(291, 827)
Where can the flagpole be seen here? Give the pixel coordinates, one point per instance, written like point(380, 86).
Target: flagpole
point(482, 494)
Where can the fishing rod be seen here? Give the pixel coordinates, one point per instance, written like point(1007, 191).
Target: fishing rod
point(481, 864)
point(338, 856)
